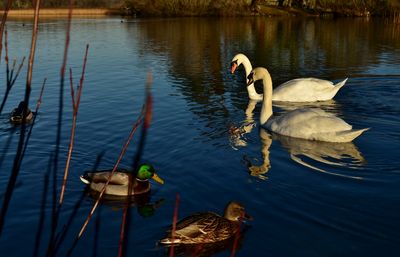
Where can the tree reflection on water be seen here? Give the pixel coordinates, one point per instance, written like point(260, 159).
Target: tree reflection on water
point(199, 51)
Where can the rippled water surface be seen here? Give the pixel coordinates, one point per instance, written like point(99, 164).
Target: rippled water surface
point(307, 198)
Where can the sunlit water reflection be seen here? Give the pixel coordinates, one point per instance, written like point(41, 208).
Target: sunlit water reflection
point(314, 199)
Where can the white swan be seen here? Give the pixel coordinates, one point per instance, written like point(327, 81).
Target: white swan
point(295, 90)
point(307, 123)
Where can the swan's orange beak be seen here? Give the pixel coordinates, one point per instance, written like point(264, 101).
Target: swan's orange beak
point(233, 67)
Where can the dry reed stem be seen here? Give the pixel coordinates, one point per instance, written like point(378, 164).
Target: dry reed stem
point(237, 237)
point(32, 52)
point(55, 209)
point(18, 157)
point(39, 102)
point(121, 251)
point(66, 227)
point(132, 132)
point(41, 222)
point(149, 102)
point(75, 105)
point(67, 40)
point(6, 58)
point(9, 74)
point(34, 117)
point(174, 221)
point(197, 251)
point(126, 213)
point(12, 82)
point(3, 23)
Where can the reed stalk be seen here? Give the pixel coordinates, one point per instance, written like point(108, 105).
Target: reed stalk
point(55, 209)
point(34, 118)
point(237, 237)
point(17, 158)
point(122, 153)
point(41, 221)
point(197, 251)
point(10, 73)
point(174, 221)
point(63, 233)
point(3, 23)
point(124, 234)
point(75, 106)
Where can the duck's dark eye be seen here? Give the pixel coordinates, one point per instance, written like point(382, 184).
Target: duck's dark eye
point(250, 76)
point(234, 63)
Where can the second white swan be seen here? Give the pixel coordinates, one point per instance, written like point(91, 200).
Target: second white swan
point(295, 90)
point(307, 123)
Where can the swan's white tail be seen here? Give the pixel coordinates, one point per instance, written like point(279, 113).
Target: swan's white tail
point(334, 90)
point(348, 136)
point(340, 84)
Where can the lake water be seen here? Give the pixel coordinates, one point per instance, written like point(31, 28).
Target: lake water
point(306, 198)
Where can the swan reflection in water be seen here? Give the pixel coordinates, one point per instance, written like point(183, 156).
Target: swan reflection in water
point(238, 134)
point(260, 170)
point(325, 153)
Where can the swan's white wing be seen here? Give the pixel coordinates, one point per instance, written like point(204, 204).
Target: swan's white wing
point(304, 90)
point(312, 124)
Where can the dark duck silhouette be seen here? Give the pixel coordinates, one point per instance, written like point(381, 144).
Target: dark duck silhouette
point(16, 116)
point(208, 227)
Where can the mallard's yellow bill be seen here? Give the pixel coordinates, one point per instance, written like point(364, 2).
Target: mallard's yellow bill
point(156, 178)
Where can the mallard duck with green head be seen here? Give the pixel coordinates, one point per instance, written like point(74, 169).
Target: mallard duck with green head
point(16, 116)
point(208, 227)
point(119, 183)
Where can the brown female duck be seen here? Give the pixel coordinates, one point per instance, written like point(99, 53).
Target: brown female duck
point(208, 227)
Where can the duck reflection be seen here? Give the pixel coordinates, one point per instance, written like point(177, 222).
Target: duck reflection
point(203, 250)
point(143, 203)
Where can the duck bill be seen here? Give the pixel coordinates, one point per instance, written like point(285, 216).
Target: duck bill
point(157, 179)
point(245, 217)
point(233, 67)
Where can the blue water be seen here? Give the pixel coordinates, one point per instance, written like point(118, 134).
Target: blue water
point(307, 198)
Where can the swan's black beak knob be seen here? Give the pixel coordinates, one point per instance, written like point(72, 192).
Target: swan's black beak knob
point(250, 79)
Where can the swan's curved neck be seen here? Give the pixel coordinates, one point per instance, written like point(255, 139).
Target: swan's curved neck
point(266, 108)
point(248, 67)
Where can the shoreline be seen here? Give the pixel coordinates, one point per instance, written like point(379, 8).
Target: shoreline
point(261, 10)
point(64, 12)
